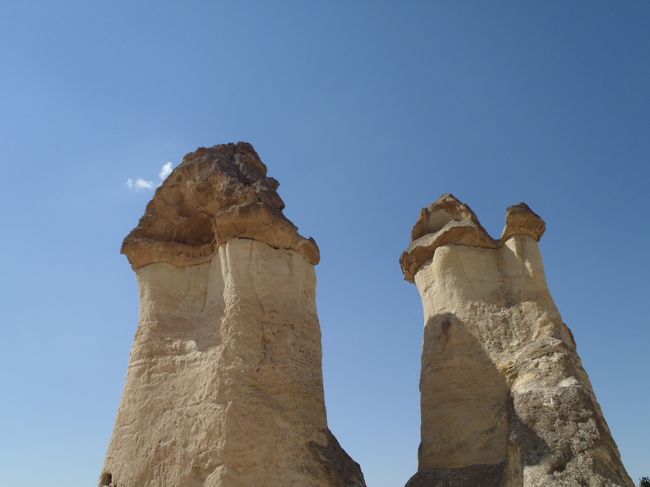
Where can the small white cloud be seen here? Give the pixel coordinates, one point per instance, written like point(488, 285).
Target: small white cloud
point(139, 184)
point(143, 184)
point(165, 171)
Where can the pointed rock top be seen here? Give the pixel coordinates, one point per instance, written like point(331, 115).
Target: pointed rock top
point(214, 195)
point(450, 221)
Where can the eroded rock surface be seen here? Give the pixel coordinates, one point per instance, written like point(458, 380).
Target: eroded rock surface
point(505, 400)
point(214, 195)
point(224, 384)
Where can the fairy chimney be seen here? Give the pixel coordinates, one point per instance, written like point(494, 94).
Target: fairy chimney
point(224, 384)
point(505, 400)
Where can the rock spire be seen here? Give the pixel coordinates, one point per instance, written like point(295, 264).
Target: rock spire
point(505, 400)
point(224, 386)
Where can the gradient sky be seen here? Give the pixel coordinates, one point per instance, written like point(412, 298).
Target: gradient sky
point(365, 112)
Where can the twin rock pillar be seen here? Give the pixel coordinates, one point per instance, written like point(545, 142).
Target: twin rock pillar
point(225, 388)
point(505, 401)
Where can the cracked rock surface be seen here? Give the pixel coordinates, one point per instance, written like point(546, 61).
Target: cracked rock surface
point(224, 384)
point(505, 400)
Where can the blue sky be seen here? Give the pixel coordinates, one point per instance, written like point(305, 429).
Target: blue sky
point(365, 112)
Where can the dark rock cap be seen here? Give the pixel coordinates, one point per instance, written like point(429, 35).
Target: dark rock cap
point(214, 195)
point(450, 221)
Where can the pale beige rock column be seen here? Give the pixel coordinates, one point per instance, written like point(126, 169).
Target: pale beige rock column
point(224, 385)
point(505, 400)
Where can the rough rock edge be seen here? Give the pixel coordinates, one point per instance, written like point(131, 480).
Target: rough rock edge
point(340, 468)
point(474, 475)
point(450, 221)
point(214, 195)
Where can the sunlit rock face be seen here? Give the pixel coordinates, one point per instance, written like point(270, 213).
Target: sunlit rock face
point(505, 400)
point(224, 385)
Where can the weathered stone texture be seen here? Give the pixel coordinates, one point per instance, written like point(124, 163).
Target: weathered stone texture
point(224, 384)
point(214, 195)
point(505, 400)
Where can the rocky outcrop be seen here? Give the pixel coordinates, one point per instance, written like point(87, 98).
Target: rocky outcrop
point(505, 400)
point(215, 195)
point(224, 385)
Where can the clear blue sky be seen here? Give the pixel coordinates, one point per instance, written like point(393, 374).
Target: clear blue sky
point(365, 112)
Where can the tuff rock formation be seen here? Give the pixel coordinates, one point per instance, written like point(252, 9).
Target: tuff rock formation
point(505, 400)
point(224, 384)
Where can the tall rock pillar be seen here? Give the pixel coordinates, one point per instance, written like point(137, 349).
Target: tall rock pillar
point(505, 400)
point(224, 385)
